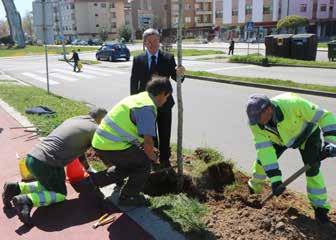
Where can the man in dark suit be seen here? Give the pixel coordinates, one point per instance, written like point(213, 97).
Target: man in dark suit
point(156, 62)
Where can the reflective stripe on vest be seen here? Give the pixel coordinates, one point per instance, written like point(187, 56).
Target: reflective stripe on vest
point(125, 136)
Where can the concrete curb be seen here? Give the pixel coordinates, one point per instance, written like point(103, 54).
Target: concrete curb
point(144, 217)
point(265, 86)
point(15, 114)
point(288, 65)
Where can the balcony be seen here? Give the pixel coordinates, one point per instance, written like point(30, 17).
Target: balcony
point(209, 24)
point(203, 12)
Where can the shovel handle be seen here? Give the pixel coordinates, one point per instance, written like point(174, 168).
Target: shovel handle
point(297, 174)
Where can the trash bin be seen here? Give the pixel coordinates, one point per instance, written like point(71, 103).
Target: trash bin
point(282, 45)
point(332, 50)
point(304, 47)
point(269, 44)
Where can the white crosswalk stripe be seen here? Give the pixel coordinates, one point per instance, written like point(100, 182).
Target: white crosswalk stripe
point(80, 75)
point(94, 72)
point(39, 78)
point(63, 77)
point(98, 69)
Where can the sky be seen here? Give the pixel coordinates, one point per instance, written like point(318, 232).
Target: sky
point(21, 5)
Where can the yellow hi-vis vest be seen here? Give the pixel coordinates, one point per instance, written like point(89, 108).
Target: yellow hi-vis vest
point(300, 118)
point(117, 130)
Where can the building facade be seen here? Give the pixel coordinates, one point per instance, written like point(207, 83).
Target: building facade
point(87, 19)
point(233, 16)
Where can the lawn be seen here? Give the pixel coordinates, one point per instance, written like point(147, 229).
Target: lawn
point(278, 61)
point(39, 50)
point(186, 52)
point(23, 97)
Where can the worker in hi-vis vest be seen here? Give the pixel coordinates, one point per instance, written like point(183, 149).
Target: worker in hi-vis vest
point(124, 139)
point(289, 121)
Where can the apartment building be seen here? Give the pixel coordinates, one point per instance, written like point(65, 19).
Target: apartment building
point(198, 16)
point(87, 19)
point(233, 15)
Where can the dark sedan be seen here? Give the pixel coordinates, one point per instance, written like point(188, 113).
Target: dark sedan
point(113, 52)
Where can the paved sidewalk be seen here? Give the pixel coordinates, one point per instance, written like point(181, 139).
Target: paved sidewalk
point(72, 219)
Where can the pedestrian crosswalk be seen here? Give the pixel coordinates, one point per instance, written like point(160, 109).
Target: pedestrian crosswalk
point(59, 76)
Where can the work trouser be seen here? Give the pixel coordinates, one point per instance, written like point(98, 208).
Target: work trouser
point(132, 163)
point(310, 153)
point(76, 66)
point(164, 122)
point(50, 185)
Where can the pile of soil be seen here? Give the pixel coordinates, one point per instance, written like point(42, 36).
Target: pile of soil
point(233, 216)
point(233, 211)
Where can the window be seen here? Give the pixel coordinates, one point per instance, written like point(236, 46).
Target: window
point(235, 12)
point(72, 6)
point(113, 15)
point(97, 25)
point(103, 5)
point(95, 4)
point(303, 8)
point(267, 10)
point(248, 9)
point(114, 25)
point(323, 7)
point(197, 19)
point(187, 6)
point(187, 19)
point(219, 14)
point(96, 15)
point(111, 5)
point(75, 28)
point(73, 16)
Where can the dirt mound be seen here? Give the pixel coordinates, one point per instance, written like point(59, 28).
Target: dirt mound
point(284, 218)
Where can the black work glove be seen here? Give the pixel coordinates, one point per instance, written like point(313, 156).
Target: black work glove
point(276, 189)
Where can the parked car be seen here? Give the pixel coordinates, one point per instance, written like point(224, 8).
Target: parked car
point(75, 42)
point(113, 51)
point(97, 41)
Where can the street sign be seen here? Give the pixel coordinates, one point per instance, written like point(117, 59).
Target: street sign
point(250, 26)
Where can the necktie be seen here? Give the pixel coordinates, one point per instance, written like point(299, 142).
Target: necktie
point(153, 67)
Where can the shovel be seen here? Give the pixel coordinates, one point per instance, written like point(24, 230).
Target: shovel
point(324, 155)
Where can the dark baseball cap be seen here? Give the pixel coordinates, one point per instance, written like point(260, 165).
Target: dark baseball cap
point(256, 104)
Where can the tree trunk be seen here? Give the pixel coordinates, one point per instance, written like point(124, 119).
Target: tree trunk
point(179, 98)
point(14, 22)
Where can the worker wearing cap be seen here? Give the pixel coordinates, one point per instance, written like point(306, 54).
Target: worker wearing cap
point(46, 162)
point(289, 121)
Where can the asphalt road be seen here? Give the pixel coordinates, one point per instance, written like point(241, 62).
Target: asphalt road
point(214, 113)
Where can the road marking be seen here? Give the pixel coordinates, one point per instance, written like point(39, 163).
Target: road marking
point(79, 75)
point(102, 70)
point(93, 72)
point(63, 77)
point(39, 78)
point(229, 68)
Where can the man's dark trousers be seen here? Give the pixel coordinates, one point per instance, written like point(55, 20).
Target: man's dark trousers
point(140, 76)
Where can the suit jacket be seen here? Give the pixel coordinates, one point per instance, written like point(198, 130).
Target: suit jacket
point(141, 76)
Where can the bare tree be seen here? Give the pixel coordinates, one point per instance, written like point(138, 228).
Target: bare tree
point(4, 28)
point(179, 98)
point(27, 24)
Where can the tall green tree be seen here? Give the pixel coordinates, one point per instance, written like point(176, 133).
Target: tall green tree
point(125, 32)
point(292, 23)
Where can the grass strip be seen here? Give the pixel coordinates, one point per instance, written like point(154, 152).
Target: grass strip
point(39, 50)
point(186, 52)
point(264, 81)
point(23, 97)
point(278, 61)
point(184, 213)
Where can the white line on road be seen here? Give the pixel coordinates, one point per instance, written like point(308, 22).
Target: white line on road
point(39, 78)
point(229, 68)
point(97, 73)
point(80, 75)
point(103, 70)
point(61, 76)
